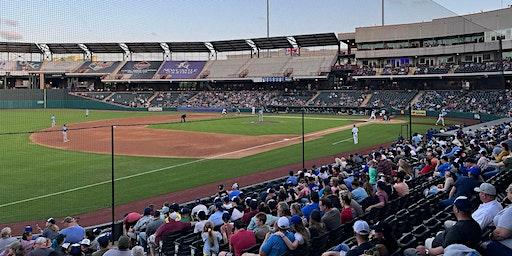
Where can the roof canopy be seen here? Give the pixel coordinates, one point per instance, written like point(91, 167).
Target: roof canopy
point(231, 45)
point(316, 40)
point(65, 48)
point(19, 47)
point(144, 47)
point(188, 47)
point(104, 47)
point(272, 43)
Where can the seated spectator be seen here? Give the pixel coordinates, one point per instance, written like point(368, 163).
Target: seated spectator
point(6, 239)
point(381, 195)
point(200, 224)
point(104, 243)
point(261, 229)
point(331, 216)
point(123, 247)
point(316, 227)
point(216, 217)
point(241, 240)
point(505, 151)
point(486, 211)
point(464, 186)
point(14, 249)
point(51, 230)
point(27, 241)
point(234, 191)
point(211, 240)
point(507, 201)
point(313, 205)
point(347, 213)
point(358, 193)
point(41, 247)
point(292, 179)
point(274, 245)
point(173, 226)
point(443, 166)
point(253, 205)
point(227, 228)
point(501, 238)
point(401, 188)
point(449, 181)
point(74, 233)
point(362, 233)
point(199, 207)
point(465, 231)
point(301, 234)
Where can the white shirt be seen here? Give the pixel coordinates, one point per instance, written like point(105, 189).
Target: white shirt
point(486, 213)
point(198, 228)
point(355, 130)
point(198, 208)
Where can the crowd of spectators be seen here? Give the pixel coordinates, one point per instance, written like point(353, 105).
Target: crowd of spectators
point(292, 98)
point(339, 99)
point(381, 203)
point(172, 98)
point(478, 67)
point(397, 100)
point(132, 99)
point(439, 69)
point(399, 70)
point(231, 99)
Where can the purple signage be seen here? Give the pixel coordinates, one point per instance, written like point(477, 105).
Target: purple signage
point(181, 69)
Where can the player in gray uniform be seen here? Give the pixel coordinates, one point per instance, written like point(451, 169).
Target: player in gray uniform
point(65, 133)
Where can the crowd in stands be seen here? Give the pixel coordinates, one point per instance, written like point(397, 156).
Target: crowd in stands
point(172, 98)
point(132, 99)
point(426, 70)
point(231, 99)
point(400, 70)
point(364, 71)
point(292, 98)
point(398, 100)
point(339, 99)
point(427, 196)
point(475, 101)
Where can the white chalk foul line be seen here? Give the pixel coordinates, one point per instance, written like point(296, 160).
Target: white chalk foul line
point(338, 142)
point(153, 171)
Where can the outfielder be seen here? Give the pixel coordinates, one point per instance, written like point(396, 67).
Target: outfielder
point(441, 117)
point(65, 133)
point(224, 112)
point(86, 113)
point(372, 115)
point(355, 130)
point(54, 121)
point(260, 115)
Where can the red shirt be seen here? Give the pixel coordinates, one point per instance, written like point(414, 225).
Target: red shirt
point(169, 228)
point(248, 216)
point(243, 239)
point(346, 215)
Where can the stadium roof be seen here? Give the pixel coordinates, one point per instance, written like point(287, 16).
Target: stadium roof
point(316, 40)
point(58, 48)
point(145, 47)
point(272, 43)
point(188, 47)
point(19, 47)
point(231, 45)
point(104, 47)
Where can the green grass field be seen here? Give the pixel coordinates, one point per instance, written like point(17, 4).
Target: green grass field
point(39, 182)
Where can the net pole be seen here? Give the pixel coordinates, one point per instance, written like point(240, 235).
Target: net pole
point(112, 182)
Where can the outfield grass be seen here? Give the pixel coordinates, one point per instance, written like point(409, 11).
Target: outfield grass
point(29, 170)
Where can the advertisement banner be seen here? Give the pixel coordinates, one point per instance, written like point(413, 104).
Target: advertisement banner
point(181, 69)
point(139, 69)
point(416, 112)
point(103, 67)
point(28, 65)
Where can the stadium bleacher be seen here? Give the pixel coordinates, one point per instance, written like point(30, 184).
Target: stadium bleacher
point(339, 98)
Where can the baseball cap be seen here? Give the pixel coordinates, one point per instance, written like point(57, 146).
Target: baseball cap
point(103, 240)
point(147, 211)
point(361, 227)
point(28, 229)
point(68, 219)
point(40, 240)
point(381, 227)
point(123, 242)
point(486, 188)
point(462, 203)
point(283, 223)
point(85, 242)
point(295, 219)
point(474, 171)
point(65, 245)
point(165, 210)
point(51, 220)
point(174, 216)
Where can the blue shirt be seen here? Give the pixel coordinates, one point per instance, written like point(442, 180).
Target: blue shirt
point(216, 218)
point(443, 168)
point(465, 186)
point(275, 246)
point(233, 194)
point(292, 180)
point(359, 194)
point(74, 234)
point(306, 210)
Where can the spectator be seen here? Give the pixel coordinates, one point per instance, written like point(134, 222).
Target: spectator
point(331, 216)
point(347, 213)
point(227, 228)
point(235, 192)
point(313, 205)
point(372, 172)
point(154, 224)
point(41, 247)
point(464, 186)
point(316, 227)
point(6, 238)
point(292, 179)
point(384, 240)
point(137, 251)
point(381, 195)
point(443, 166)
point(104, 243)
point(85, 246)
point(253, 210)
point(15, 249)
point(211, 240)
point(486, 212)
point(301, 234)
point(123, 247)
point(74, 233)
point(173, 226)
point(200, 224)
point(401, 188)
point(358, 193)
point(507, 201)
point(274, 245)
point(501, 238)
point(241, 240)
point(26, 240)
point(261, 229)
point(51, 230)
point(362, 233)
point(216, 217)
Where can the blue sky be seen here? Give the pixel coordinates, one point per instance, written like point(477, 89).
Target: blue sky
point(205, 20)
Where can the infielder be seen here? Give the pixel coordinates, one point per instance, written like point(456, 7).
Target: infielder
point(224, 112)
point(372, 115)
point(253, 111)
point(441, 117)
point(355, 130)
point(54, 121)
point(260, 115)
point(65, 133)
point(86, 113)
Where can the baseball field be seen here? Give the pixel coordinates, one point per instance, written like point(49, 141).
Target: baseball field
point(155, 155)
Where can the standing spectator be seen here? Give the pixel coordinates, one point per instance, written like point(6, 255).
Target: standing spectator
point(211, 240)
point(74, 233)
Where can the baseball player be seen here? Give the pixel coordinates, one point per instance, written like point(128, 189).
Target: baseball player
point(372, 115)
point(441, 117)
point(260, 115)
point(86, 113)
point(224, 112)
point(183, 118)
point(355, 130)
point(54, 121)
point(65, 133)
point(253, 111)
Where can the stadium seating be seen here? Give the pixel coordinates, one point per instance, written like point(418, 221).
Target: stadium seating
point(229, 68)
point(172, 98)
point(339, 99)
point(132, 99)
point(391, 99)
point(292, 98)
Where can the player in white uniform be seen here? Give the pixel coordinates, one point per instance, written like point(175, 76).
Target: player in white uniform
point(224, 112)
point(355, 130)
point(86, 113)
point(253, 111)
point(372, 115)
point(65, 133)
point(260, 115)
point(441, 117)
point(54, 120)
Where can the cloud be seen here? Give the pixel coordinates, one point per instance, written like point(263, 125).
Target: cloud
point(10, 35)
point(12, 23)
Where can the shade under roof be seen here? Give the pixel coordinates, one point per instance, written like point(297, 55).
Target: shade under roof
point(188, 47)
point(144, 47)
point(104, 47)
point(231, 45)
point(316, 40)
point(272, 43)
point(59, 48)
point(19, 47)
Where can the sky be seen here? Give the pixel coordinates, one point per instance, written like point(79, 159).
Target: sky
point(80, 21)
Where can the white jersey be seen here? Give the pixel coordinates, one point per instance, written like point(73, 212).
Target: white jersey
point(224, 111)
point(355, 130)
point(253, 110)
